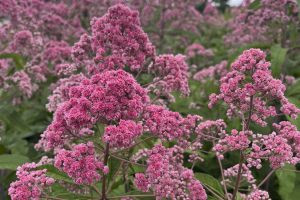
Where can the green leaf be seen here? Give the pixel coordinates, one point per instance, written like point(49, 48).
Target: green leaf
point(277, 59)
point(294, 89)
point(12, 161)
point(286, 181)
point(255, 5)
point(114, 165)
point(57, 191)
point(210, 181)
point(212, 198)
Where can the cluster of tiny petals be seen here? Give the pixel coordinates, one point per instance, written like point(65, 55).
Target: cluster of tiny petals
point(289, 131)
point(235, 141)
point(30, 184)
point(272, 147)
point(122, 135)
point(197, 49)
point(211, 129)
point(165, 124)
point(172, 74)
point(61, 89)
point(105, 97)
point(119, 41)
point(80, 163)
point(230, 175)
point(250, 25)
point(258, 195)
point(237, 92)
point(246, 174)
point(81, 49)
point(24, 83)
point(166, 176)
point(213, 72)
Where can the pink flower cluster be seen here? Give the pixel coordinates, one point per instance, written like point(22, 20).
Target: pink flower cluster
point(61, 89)
point(23, 81)
point(243, 96)
point(289, 131)
point(167, 177)
point(264, 24)
point(122, 135)
point(32, 29)
point(106, 97)
point(210, 129)
point(173, 15)
point(273, 147)
point(258, 195)
point(30, 183)
point(80, 163)
point(278, 148)
point(171, 75)
point(119, 41)
point(236, 141)
point(165, 124)
point(231, 173)
point(248, 179)
point(197, 49)
point(213, 72)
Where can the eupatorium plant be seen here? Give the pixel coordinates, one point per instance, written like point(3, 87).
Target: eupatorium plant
point(113, 134)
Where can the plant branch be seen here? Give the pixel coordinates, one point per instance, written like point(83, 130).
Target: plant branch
point(106, 155)
point(222, 175)
point(266, 178)
point(211, 191)
point(239, 175)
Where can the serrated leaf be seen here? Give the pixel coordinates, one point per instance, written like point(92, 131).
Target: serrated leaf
point(286, 181)
point(210, 181)
point(12, 161)
point(277, 59)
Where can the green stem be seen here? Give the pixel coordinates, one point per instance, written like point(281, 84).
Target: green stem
point(106, 155)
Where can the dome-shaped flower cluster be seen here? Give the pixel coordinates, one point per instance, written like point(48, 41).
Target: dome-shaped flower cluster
point(106, 97)
point(119, 41)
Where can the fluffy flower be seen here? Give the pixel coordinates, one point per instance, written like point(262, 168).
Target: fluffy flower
point(80, 163)
point(167, 177)
point(213, 72)
point(106, 97)
point(164, 123)
point(258, 195)
point(24, 83)
point(197, 49)
point(61, 89)
point(242, 95)
point(172, 74)
point(236, 141)
point(119, 41)
point(122, 135)
point(30, 183)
